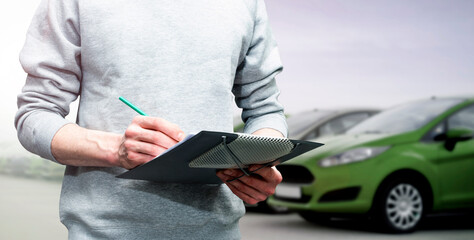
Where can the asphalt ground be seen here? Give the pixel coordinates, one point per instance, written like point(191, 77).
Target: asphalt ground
point(290, 226)
point(29, 210)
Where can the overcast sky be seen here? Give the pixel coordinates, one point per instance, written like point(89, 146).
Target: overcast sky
point(372, 52)
point(336, 53)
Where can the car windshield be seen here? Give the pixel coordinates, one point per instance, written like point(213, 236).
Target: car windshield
point(300, 122)
point(404, 118)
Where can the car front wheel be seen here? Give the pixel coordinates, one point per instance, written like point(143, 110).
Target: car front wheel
point(400, 208)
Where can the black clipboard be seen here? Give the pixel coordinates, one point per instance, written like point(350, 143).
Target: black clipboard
point(173, 166)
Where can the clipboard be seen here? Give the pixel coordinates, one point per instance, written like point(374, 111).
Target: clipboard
point(197, 158)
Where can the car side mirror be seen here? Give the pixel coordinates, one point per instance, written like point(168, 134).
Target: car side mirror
point(459, 134)
point(454, 135)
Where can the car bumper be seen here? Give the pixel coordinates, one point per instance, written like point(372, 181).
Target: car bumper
point(341, 189)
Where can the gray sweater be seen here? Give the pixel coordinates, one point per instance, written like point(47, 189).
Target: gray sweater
point(184, 61)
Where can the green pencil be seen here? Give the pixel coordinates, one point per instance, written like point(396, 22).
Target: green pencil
point(132, 106)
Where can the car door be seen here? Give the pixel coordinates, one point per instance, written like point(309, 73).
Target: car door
point(456, 166)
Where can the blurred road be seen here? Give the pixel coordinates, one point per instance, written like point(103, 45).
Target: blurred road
point(290, 226)
point(29, 210)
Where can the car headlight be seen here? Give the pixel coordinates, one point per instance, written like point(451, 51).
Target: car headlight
point(353, 155)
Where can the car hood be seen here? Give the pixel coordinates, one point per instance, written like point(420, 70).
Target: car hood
point(341, 143)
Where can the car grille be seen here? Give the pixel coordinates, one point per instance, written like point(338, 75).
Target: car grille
point(295, 174)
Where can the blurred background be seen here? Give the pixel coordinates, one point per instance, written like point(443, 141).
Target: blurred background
point(336, 53)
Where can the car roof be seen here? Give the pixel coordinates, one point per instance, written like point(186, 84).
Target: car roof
point(336, 111)
point(460, 97)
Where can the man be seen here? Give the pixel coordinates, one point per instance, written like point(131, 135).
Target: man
point(180, 61)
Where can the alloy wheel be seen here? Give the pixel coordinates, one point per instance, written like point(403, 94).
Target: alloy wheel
point(404, 206)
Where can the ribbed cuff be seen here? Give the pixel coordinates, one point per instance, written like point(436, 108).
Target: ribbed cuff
point(38, 131)
point(275, 121)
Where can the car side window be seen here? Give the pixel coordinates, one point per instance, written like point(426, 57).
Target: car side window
point(338, 125)
point(351, 120)
point(439, 129)
point(462, 119)
point(313, 134)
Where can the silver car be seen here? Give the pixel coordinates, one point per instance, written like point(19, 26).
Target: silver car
point(320, 123)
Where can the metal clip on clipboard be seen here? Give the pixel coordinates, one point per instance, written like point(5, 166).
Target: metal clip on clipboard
point(235, 158)
point(241, 165)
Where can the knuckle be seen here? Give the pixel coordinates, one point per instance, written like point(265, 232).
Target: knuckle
point(128, 132)
point(132, 160)
point(224, 178)
point(157, 121)
point(278, 177)
point(128, 145)
point(137, 159)
point(269, 191)
point(131, 131)
point(137, 119)
point(261, 198)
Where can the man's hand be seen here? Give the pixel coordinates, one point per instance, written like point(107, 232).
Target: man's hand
point(259, 185)
point(145, 138)
point(254, 188)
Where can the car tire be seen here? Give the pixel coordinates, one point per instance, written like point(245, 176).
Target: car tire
point(315, 217)
point(400, 206)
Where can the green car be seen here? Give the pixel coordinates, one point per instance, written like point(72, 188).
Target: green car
point(395, 167)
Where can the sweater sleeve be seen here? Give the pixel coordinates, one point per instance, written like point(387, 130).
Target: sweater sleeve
point(51, 58)
point(255, 88)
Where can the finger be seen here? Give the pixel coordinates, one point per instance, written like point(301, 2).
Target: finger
point(242, 195)
point(263, 185)
point(156, 137)
point(228, 177)
point(160, 124)
point(134, 159)
point(143, 147)
point(136, 132)
point(246, 198)
point(248, 189)
point(249, 185)
point(270, 174)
